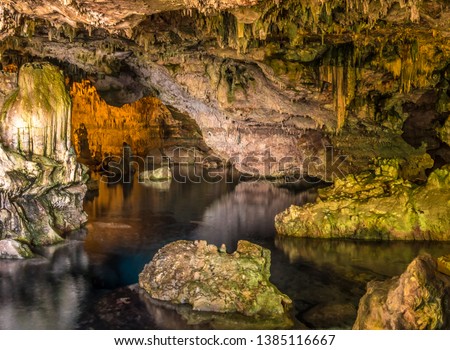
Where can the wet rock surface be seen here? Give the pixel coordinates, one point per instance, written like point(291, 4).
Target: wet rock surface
point(211, 280)
point(377, 205)
point(417, 299)
point(11, 249)
point(444, 132)
point(41, 186)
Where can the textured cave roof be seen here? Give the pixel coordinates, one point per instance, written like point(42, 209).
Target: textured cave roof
point(112, 15)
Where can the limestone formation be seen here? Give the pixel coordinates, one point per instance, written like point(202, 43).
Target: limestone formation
point(443, 264)
point(375, 205)
point(36, 119)
point(270, 84)
point(414, 300)
point(209, 279)
point(146, 125)
point(11, 249)
point(41, 186)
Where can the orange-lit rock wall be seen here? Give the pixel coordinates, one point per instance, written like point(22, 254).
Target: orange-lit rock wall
point(99, 129)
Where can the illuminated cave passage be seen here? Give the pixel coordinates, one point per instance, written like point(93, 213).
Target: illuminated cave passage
point(99, 130)
point(321, 167)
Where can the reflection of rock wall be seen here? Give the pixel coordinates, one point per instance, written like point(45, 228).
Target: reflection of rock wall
point(357, 260)
point(250, 208)
point(56, 284)
point(41, 186)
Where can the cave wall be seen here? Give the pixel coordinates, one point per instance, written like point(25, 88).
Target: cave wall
point(270, 80)
point(41, 187)
point(105, 128)
point(36, 119)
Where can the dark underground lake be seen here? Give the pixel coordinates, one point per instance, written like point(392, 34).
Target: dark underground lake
point(78, 284)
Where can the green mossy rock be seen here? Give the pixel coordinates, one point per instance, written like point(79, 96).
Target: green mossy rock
point(210, 280)
point(36, 119)
point(375, 205)
point(443, 264)
point(444, 132)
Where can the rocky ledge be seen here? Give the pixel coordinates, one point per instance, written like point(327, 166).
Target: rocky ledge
point(209, 279)
point(417, 299)
point(374, 205)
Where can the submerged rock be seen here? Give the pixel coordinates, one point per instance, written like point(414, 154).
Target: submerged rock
point(415, 300)
point(11, 249)
point(375, 205)
point(160, 174)
point(195, 273)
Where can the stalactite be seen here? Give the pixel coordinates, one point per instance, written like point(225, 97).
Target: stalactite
point(340, 99)
point(413, 66)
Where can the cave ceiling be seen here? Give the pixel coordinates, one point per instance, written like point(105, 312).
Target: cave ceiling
point(246, 70)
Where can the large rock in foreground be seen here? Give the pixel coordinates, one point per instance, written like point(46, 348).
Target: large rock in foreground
point(209, 279)
point(374, 205)
point(417, 299)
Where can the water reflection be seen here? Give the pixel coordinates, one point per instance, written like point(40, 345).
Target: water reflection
point(129, 222)
point(358, 260)
point(247, 213)
point(44, 293)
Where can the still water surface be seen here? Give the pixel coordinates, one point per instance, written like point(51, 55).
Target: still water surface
point(128, 223)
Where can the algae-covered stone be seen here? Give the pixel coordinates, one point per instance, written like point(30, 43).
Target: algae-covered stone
point(195, 273)
point(11, 249)
point(414, 300)
point(443, 264)
point(375, 205)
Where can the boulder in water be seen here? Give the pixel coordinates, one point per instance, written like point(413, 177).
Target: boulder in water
point(375, 205)
point(209, 279)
